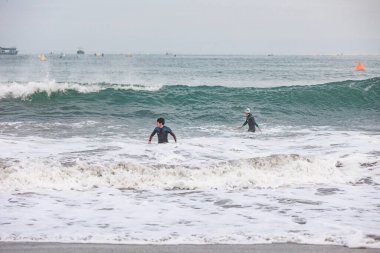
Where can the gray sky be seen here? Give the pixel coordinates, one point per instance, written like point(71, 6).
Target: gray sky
point(192, 26)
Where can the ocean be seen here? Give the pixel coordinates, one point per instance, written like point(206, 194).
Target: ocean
point(76, 166)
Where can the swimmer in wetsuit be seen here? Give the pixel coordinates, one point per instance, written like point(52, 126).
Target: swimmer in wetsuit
point(250, 120)
point(162, 132)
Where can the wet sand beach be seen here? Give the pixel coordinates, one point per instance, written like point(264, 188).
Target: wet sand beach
point(42, 247)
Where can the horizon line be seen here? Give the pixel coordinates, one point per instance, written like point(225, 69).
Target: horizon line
point(208, 54)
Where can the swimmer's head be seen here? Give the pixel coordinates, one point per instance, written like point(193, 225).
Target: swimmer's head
point(160, 122)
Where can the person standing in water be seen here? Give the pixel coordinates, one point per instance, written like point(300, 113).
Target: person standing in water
point(250, 120)
point(162, 132)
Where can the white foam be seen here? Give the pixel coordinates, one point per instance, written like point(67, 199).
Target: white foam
point(297, 215)
point(279, 186)
point(273, 171)
point(24, 90)
point(197, 163)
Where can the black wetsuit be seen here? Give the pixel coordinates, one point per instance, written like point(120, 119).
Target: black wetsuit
point(162, 134)
point(250, 120)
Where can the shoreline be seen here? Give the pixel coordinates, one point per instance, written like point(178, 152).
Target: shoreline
point(41, 247)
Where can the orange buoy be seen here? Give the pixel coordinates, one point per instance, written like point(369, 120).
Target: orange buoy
point(360, 67)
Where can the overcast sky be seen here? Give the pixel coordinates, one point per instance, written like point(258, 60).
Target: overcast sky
point(192, 26)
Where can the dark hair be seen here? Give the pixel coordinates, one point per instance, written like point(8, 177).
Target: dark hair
point(161, 120)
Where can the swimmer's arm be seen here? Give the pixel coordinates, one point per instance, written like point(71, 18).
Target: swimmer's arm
point(151, 136)
point(174, 137)
point(258, 126)
point(245, 123)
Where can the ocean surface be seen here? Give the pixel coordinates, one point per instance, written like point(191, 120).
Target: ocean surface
point(75, 165)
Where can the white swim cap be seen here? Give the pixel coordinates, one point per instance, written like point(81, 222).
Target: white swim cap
point(247, 110)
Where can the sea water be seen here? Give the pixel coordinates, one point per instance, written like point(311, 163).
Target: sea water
point(75, 165)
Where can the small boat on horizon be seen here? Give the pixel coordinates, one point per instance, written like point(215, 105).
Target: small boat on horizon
point(8, 51)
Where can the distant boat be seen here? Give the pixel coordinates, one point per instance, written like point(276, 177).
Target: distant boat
point(8, 51)
point(270, 54)
point(99, 54)
point(80, 51)
point(42, 57)
point(170, 54)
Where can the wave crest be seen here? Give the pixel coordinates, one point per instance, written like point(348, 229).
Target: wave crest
point(25, 90)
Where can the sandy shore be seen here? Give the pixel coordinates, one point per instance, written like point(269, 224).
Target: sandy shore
point(29, 247)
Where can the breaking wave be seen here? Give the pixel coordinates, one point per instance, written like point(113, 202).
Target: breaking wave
point(262, 172)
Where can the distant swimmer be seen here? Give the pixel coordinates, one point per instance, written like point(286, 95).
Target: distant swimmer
point(162, 132)
point(250, 120)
